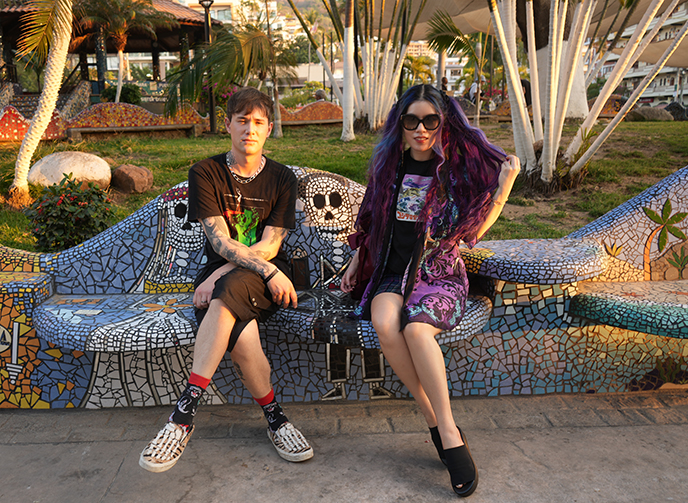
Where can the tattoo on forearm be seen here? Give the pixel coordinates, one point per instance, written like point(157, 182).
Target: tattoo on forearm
point(278, 235)
point(217, 232)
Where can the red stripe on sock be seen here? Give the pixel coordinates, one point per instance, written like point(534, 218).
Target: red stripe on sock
point(199, 381)
point(266, 399)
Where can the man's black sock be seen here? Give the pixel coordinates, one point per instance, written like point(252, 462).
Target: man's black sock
point(274, 414)
point(185, 410)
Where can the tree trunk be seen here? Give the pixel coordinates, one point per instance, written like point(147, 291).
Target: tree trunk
point(120, 74)
point(54, 68)
point(578, 103)
point(349, 69)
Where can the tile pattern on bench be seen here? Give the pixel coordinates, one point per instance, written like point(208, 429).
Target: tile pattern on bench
point(645, 237)
point(529, 346)
point(653, 307)
point(538, 261)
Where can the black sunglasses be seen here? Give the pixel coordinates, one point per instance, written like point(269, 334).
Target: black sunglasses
point(410, 122)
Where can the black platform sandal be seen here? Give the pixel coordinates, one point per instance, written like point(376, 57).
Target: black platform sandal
point(437, 440)
point(462, 469)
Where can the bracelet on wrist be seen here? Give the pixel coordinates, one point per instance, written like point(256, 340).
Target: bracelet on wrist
point(271, 275)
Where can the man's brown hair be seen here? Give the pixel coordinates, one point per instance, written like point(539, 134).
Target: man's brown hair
point(247, 99)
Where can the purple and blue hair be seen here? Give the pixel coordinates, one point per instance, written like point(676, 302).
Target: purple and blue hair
point(466, 173)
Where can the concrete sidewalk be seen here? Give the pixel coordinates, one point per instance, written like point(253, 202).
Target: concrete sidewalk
point(624, 447)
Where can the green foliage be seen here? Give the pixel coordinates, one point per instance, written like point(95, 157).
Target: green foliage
point(669, 369)
point(67, 215)
point(299, 47)
point(679, 261)
point(297, 97)
point(131, 93)
point(595, 87)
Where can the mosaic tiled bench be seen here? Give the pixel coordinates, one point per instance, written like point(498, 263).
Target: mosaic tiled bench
point(156, 312)
point(110, 323)
point(652, 307)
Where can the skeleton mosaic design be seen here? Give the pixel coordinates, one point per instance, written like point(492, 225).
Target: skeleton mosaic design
point(109, 323)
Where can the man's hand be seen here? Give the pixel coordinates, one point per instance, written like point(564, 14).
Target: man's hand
point(204, 293)
point(282, 290)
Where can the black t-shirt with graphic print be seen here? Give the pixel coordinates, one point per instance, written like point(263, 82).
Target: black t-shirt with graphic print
point(269, 199)
point(414, 187)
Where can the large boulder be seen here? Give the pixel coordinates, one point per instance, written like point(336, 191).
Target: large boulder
point(648, 114)
point(83, 167)
point(129, 178)
point(677, 110)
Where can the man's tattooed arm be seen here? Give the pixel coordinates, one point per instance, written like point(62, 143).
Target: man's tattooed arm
point(254, 258)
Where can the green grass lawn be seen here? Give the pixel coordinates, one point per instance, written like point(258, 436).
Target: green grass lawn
point(636, 156)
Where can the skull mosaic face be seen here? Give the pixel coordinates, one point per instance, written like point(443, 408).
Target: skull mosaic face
point(326, 202)
point(181, 234)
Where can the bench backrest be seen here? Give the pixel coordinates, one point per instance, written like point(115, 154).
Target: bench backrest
point(156, 249)
point(645, 237)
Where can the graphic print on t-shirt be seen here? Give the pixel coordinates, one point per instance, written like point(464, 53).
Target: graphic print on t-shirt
point(243, 215)
point(414, 188)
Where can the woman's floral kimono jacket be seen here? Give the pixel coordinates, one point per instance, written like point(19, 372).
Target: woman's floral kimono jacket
point(435, 284)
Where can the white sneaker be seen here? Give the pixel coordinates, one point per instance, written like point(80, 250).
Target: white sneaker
point(164, 450)
point(290, 443)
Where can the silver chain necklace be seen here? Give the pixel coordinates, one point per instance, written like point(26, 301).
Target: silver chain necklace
point(240, 179)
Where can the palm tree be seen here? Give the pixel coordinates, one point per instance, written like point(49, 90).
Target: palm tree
point(444, 35)
point(48, 32)
point(420, 68)
point(118, 18)
point(231, 58)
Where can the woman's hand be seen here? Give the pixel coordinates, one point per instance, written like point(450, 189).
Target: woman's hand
point(349, 278)
point(511, 167)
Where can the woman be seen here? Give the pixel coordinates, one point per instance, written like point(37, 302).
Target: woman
point(450, 185)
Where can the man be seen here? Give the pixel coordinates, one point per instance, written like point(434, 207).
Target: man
point(474, 89)
point(246, 204)
point(320, 95)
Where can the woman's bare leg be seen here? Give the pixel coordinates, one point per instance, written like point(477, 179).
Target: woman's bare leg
point(428, 365)
point(385, 313)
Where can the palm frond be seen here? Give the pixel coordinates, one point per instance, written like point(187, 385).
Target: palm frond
point(219, 63)
point(40, 25)
point(444, 35)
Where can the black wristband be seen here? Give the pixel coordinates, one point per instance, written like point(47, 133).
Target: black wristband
point(271, 275)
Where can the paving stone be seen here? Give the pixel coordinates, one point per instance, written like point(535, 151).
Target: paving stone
point(249, 429)
point(623, 417)
point(521, 421)
point(209, 431)
point(98, 434)
point(359, 426)
point(672, 398)
point(321, 427)
point(574, 418)
point(674, 415)
point(409, 424)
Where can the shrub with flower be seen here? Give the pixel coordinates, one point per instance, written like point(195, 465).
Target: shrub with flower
point(66, 214)
point(222, 94)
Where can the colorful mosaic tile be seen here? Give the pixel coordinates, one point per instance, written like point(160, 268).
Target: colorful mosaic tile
point(13, 125)
point(318, 110)
point(119, 328)
point(125, 114)
point(78, 100)
point(652, 307)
